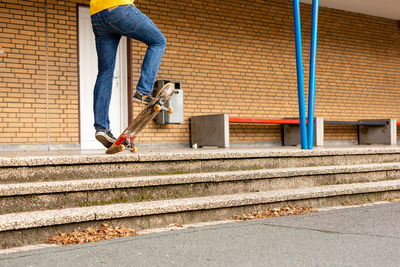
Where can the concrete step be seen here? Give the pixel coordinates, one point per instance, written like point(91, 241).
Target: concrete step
point(90, 192)
point(22, 168)
point(24, 228)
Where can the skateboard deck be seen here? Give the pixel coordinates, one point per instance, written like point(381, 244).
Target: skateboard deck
point(126, 139)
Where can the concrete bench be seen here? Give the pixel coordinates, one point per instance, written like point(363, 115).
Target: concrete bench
point(380, 132)
point(213, 130)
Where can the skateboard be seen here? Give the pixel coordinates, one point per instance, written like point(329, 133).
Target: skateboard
point(127, 138)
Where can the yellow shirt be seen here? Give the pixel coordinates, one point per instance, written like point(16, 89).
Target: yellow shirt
point(99, 5)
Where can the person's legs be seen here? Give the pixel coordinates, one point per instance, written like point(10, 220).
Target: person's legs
point(106, 50)
point(106, 47)
point(108, 26)
point(155, 40)
point(131, 22)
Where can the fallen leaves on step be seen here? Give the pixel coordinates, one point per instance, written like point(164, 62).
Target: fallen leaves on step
point(277, 212)
point(91, 234)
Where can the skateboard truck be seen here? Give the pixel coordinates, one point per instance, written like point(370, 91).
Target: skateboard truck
point(127, 144)
point(131, 146)
point(127, 138)
point(162, 107)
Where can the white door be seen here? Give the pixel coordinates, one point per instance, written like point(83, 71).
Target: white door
point(88, 73)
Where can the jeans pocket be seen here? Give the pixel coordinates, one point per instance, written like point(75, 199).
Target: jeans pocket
point(125, 24)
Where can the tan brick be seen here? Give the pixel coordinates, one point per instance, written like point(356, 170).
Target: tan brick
point(357, 65)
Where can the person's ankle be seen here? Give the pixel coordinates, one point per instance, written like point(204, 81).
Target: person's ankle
point(139, 97)
point(105, 137)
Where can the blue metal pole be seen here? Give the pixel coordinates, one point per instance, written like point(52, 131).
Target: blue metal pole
point(300, 76)
point(313, 61)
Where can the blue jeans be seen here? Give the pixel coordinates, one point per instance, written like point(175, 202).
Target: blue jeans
point(109, 27)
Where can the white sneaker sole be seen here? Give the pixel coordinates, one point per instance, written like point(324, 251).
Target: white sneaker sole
point(104, 139)
point(139, 101)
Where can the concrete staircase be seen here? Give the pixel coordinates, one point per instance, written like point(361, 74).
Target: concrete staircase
point(41, 196)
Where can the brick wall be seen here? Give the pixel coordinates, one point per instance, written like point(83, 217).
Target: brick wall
point(238, 58)
point(23, 75)
point(232, 57)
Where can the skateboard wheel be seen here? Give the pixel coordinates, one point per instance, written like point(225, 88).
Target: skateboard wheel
point(133, 149)
point(157, 107)
point(121, 148)
point(170, 110)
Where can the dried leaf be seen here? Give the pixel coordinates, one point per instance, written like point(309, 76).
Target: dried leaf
point(91, 234)
point(276, 212)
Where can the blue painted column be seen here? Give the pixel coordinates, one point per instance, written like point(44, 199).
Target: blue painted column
point(313, 63)
point(300, 75)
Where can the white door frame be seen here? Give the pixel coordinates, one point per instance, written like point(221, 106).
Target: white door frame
point(87, 77)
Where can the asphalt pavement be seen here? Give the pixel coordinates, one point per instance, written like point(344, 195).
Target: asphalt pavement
point(357, 236)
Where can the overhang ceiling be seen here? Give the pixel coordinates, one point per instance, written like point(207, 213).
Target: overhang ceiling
point(380, 8)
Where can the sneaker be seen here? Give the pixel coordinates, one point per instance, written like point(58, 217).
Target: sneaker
point(105, 137)
point(142, 98)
